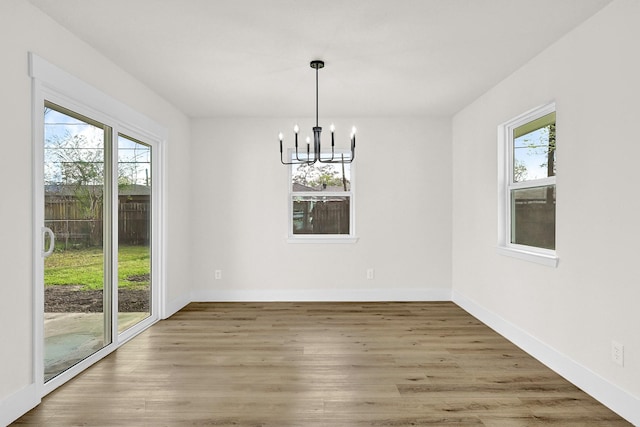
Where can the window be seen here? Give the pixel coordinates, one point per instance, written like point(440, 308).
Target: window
point(321, 202)
point(528, 186)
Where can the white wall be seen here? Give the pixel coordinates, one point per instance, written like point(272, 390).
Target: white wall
point(231, 215)
point(592, 297)
point(22, 29)
point(403, 214)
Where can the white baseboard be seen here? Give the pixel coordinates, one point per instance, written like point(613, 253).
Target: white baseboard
point(333, 295)
point(610, 395)
point(17, 404)
point(172, 307)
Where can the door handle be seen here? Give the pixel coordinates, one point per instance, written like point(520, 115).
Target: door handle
point(52, 244)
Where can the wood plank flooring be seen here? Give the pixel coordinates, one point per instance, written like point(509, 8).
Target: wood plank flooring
point(319, 364)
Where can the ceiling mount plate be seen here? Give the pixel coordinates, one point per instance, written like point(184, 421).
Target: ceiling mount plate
point(317, 64)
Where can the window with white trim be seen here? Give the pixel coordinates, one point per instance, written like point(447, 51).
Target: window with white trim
point(321, 202)
point(528, 183)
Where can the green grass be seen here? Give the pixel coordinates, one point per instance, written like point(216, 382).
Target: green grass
point(84, 267)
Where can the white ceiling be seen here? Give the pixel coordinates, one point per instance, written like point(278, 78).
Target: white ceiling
point(383, 57)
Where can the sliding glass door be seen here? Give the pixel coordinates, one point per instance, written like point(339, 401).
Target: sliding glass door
point(97, 237)
point(77, 321)
point(134, 232)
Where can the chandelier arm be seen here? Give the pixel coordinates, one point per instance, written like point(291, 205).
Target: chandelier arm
point(307, 160)
point(288, 163)
point(333, 143)
point(285, 163)
point(353, 156)
point(329, 160)
point(296, 162)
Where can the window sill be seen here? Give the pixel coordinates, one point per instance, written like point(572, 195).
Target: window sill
point(322, 239)
point(538, 258)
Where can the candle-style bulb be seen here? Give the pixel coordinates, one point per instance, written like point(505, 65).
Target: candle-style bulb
point(353, 139)
point(280, 136)
point(333, 144)
point(296, 128)
point(308, 140)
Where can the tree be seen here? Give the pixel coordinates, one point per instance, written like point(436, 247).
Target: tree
point(317, 176)
point(545, 147)
point(77, 163)
point(519, 171)
point(551, 161)
point(551, 151)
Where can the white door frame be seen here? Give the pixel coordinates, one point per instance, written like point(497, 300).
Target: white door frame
point(55, 85)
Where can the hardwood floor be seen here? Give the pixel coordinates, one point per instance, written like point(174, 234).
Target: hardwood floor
point(319, 364)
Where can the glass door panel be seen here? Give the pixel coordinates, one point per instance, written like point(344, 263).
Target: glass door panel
point(76, 318)
point(134, 232)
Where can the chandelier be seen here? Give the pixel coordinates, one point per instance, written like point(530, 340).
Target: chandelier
point(315, 156)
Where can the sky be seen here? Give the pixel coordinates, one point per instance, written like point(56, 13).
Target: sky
point(531, 151)
point(134, 158)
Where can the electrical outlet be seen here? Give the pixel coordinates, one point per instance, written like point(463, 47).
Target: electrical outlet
point(370, 273)
point(617, 353)
point(217, 274)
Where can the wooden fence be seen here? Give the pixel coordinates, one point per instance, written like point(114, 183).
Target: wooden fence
point(75, 226)
point(321, 217)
